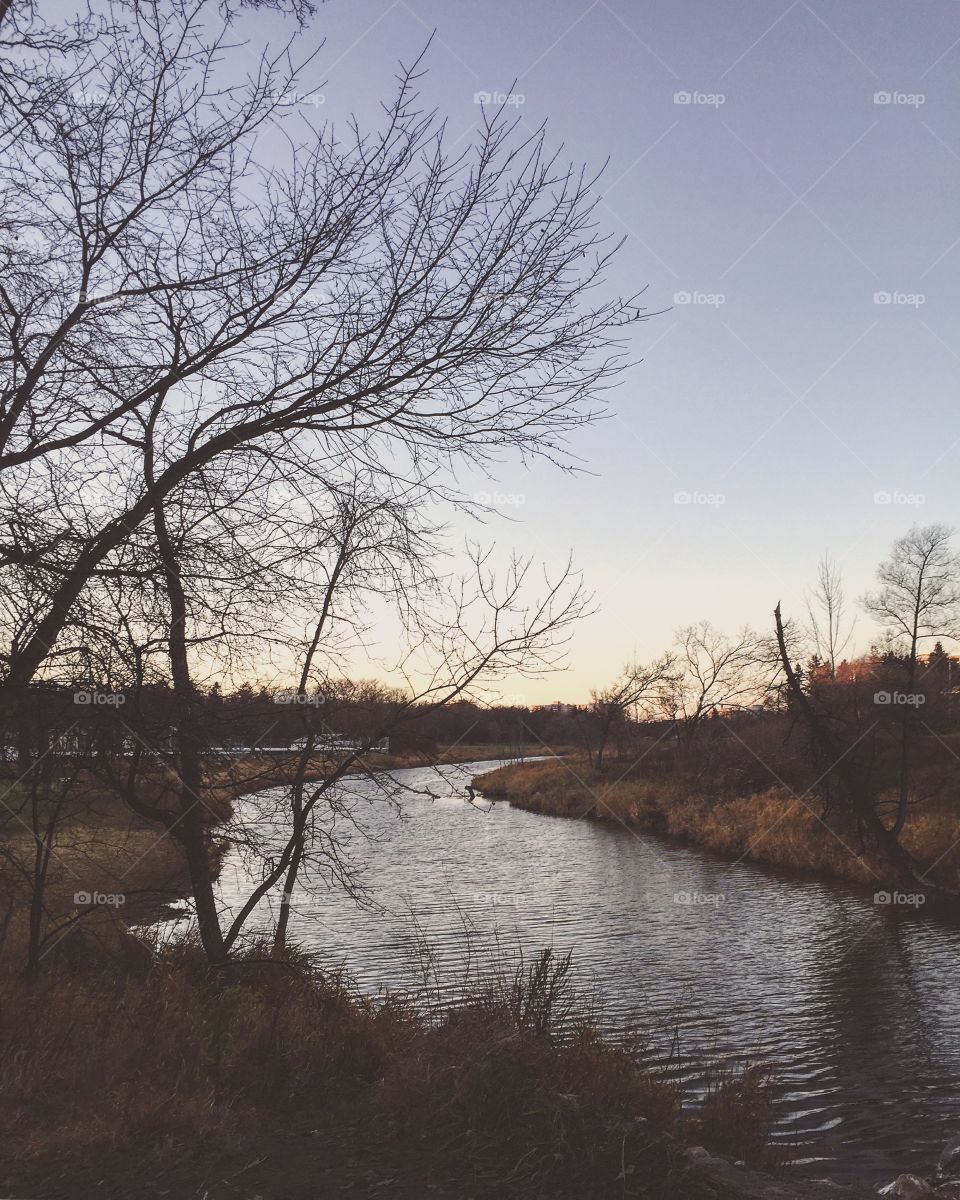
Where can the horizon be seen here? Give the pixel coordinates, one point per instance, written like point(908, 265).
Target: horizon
point(774, 399)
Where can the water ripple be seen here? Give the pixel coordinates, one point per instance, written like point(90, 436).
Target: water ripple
point(852, 1005)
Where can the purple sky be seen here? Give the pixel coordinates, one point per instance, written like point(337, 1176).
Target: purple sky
point(782, 198)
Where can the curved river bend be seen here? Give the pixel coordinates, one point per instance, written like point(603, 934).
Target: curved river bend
point(854, 1005)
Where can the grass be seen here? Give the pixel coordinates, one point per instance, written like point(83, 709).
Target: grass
point(173, 1078)
point(99, 847)
point(763, 823)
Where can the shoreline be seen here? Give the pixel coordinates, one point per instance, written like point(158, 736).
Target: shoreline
point(647, 805)
point(314, 1084)
point(692, 1169)
point(771, 828)
point(278, 772)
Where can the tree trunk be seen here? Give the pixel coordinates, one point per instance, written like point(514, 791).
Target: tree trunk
point(906, 737)
point(191, 830)
point(283, 920)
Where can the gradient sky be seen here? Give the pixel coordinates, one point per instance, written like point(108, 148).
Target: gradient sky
point(795, 200)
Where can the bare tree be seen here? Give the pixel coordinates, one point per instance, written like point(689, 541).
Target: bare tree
point(229, 577)
point(918, 600)
point(228, 388)
point(370, 299)
point(637, 685)
point(857, 785)
point(829, 629)
point(494, 628)
point(716, 672)
point(31, 54)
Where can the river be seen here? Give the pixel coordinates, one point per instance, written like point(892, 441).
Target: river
point(852, 1004)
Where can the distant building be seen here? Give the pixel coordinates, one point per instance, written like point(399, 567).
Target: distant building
point(328, 743)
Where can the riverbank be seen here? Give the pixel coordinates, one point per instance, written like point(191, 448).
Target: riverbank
point(336, 1135)
point(273, 1079)
point(773, 825)
point(227, 782)
point(100, 847)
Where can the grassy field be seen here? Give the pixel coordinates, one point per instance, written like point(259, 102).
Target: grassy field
point(772, 825)
point(98, 846)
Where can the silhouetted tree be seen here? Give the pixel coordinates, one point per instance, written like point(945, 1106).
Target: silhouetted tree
point(638, 685)
point(918, 600)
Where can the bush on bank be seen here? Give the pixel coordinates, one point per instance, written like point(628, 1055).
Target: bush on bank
point(171, 1061)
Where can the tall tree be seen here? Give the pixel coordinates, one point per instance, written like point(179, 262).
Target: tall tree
point(828, 625)
point(918, 600)
point(717, 672)
point(360, 299)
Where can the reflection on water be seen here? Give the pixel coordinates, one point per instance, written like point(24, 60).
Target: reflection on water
point(852, 1004)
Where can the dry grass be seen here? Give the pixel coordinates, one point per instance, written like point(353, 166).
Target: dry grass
point(178, 1063)
point(770, 825)
point(99, 847)
point(738, 1111)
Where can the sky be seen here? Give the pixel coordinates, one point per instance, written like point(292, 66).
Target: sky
point(785, 177)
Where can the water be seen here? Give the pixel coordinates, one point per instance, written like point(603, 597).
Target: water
point(853, 1005)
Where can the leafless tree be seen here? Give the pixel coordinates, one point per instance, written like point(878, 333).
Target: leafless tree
point(31, 53)
point(493, 628)
point(857, 785)
point(229, 386)
point(717, 672)
point(918, 600)
point(363, 298)
point(639, 684)
point(230, 574)
point(829, 629)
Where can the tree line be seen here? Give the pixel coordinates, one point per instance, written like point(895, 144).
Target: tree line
point(872, 735)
